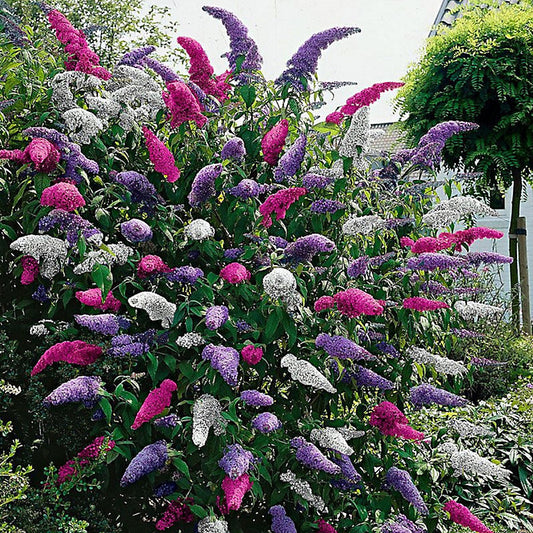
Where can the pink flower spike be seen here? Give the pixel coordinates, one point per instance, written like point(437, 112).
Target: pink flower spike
point(235, 273)
point(43, 154)
point(30, 270)
point(335, 118)
point(252, 354)
point(182, 104)
point(278, 204)
point(62, 196)
point(234, 491)
point(94, 451)
point(73, 352)
point(155, 403)
point(368, 96)
point(81, 57)
point(391, 421)
point(273, 141)
point(355, 302)
point(93, 298)
point(323, 303)
point(462, 516)
point(151, 265)
point(406, 242)
point(13, 155)
point(177, 511)
point(201, 71)
point(324, 527)
point(161, 156)
point(423, 304)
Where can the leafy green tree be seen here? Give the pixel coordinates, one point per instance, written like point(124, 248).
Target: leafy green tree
point(112, 27)
point(481, 70)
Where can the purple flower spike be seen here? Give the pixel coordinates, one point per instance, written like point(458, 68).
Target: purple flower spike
point(324, 206)
point(203, 185)
point(309, 455)
point(151, 458)
point(281, 523)
point(305, 248)
point(168, 421)
point(105, 324)
point(341, 347)
point(430, 146)
point(188, 275)
point(233, 149)
point(401, 481)
point(304, 62)
point(367, 378)
point(359, 267)
point(316, 181)
point(225, 360)
point(291, 161)
point(402, 524)
point(136, 230)
point(430, 261)
point(240, 44)
point(266, 423)
point(216, 316)
point(86, 389)
point(141, 190)
point(135, 56)
point(236, 461)
point(246, 189)
point(256, 398)
point(347, 468)
point(427, 394)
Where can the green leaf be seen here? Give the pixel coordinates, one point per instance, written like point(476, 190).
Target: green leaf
point(270, 327)
point(200, 512)
point(41, 181)
point(247, 93)
point(105, 405)
point(103, 278)
point(181, 465)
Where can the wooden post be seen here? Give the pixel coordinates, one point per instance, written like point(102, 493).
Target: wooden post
point(521, 233)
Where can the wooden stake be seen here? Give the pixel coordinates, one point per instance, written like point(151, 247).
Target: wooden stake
point(521, 233)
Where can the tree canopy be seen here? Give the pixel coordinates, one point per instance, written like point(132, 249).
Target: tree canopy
point(480, 70)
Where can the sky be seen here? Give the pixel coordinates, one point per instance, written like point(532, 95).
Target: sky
point(392, 36)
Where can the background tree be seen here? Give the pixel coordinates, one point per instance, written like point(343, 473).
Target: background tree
point(480, 70)
point(112, 27)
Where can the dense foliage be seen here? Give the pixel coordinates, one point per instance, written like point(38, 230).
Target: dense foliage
point(219, 308)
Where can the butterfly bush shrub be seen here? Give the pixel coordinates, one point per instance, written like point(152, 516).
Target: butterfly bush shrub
point(231, 303)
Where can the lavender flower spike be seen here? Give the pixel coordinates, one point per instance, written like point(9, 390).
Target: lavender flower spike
point(135, 56)
point(240, 43)
point(291, 161)
point(216, 316)
point(304, 62)
point(225, 360)
point(427, 394)
point(84, 389)
point(256, 398)
point(203, 185)
point(236, 461)
point(401, 481)
point(151, 458)
point(341, 347)
point(309, 455)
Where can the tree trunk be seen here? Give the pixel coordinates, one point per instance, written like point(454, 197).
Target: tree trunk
point(513, 248)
